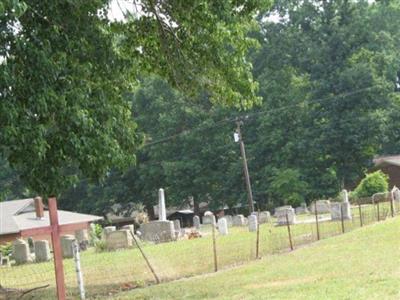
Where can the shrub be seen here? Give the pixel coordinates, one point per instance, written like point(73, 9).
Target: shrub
point(100, 246)
point(373, 183)
point(6, 249)
point(95, 235)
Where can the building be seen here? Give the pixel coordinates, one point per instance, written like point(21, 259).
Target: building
point(390, 165)
point(20, 218)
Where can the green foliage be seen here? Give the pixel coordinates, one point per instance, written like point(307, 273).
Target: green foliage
point(100, 246)
point(287, 186)
point(6, 249)
point(376, 182)
point(65, 67)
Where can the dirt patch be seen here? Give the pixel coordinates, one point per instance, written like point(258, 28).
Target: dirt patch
point(279, 283)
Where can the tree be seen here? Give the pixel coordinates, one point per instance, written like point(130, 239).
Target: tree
point(65, 68)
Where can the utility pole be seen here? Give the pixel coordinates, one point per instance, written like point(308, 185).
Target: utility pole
point(239, 139)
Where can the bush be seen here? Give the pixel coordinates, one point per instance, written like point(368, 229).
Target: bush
point(6, 249)
point(100, 246)
point(95, 235)
point(373, 183)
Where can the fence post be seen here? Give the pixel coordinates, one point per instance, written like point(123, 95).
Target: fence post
point(57, 254)
point(377, 205)
point(359, 210)
point(316, 219)
point(341, 217)
point(391, 203)
point(78, 270)
point(258, 235)
point(289, 233)
point(145, 258)
point(214, 245)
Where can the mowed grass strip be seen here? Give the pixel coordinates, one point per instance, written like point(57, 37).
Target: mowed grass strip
point(363, 264)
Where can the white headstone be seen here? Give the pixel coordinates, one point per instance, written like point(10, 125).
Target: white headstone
point(177, 228)
point(223, 226)
point(339, 208)
point(119, 239)
point(285, 215)
point(42, 251)
point(345, 196)
point(66, 246)
point(21, 252)
point(130, 227)
point(196, 222)
point(253, 223)
point(239, 220)
point(265, 217)
point(162, 213)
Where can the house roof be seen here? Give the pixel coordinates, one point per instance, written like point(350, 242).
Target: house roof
point(20, 215)
point(387, 160)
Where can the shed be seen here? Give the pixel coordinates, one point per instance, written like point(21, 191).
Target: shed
point(390, 165)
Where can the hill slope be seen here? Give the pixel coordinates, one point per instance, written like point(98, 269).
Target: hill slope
point(363, 264)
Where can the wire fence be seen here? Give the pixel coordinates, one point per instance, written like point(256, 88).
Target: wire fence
point(106, 273)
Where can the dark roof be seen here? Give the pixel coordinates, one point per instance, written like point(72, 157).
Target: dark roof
point(382, 161)
point(20, 215)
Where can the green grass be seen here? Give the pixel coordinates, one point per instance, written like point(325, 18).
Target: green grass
point(111, 272)
point(363, 264)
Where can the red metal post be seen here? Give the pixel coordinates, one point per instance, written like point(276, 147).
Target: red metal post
point(55, 238)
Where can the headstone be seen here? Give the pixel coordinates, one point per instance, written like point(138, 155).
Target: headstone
point(253, 223)
point(380, 197)
point(285, 215)
point(196, 222)
point(162, 213)
point(229, 220)
point(339, 208)
point(66, 246)
point(119, 239)
point(323, 207)
point(396, 194)
point(21, 253)
point(177, 228)
point(130, 227)
point(302, 209)
point(208, 218)
point(158, 231)
point(223, 226)
point(42, 251)
point(4, 261)
point(345, 196)
point(109, 229)
point(264, 217)
point(239, 220)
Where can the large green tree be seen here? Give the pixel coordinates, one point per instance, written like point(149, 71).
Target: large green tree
point(65, 67)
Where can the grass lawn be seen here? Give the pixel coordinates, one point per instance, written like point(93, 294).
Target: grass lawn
point(362, 264)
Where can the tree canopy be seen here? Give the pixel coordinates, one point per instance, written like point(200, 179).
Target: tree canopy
point(65, 68)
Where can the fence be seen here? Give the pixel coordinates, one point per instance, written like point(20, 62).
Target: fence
point(106, 273)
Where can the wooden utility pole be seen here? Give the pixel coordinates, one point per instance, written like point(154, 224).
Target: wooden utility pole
point(245, 168)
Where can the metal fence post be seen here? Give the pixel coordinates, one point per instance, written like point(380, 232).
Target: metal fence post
point(78, 270)
point(391, 203)
point(360, 212)
point(289, 233)
point(145, 257)
point(341, 217)
point(377, 206)
point(316, 219)
point(214, 245)
point(258, 236)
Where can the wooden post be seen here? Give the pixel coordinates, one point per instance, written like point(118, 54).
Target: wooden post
point(55, 239)
point(341, 217)
point(258, 235)
point(360, 211)
point(214, 245)
point(316, 219)
point(145, 257)
point(289, 233)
